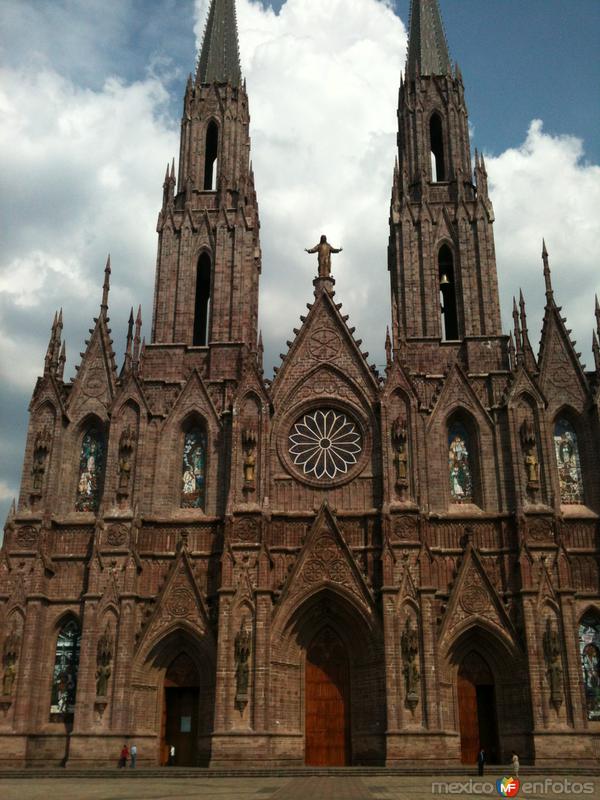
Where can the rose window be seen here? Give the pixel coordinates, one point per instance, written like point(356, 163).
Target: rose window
point(325, 443)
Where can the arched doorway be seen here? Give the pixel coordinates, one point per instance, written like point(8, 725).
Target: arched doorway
point(180, 712)
point(477, 709)
point(327, 701)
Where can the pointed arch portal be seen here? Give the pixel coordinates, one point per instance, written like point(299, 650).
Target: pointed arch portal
point(477, 709)
point(327, 703)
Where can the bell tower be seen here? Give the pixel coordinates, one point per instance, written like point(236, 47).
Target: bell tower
point(208, 263)
point(441, 256)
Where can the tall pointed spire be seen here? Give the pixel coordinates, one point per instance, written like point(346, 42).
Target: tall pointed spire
point(105, 287)
point(137, 338)
point(427, 46)
point(219, 58)
point(127, 362)
point(547, 277)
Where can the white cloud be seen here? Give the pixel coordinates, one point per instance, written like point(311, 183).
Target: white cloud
point(7, 492)
point(84, 167)
point(545, 188)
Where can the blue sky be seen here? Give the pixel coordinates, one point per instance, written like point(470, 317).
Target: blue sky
point(90, 98)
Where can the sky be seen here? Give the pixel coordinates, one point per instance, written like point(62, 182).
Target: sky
point(90, 101)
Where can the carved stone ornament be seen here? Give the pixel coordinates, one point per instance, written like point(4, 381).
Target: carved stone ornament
point(247, 529)
point(104, 656)
point(474, 599)
point(180, 603)
point(26, 537)
point(116, 535)
point(400, 445)
point(552, 655)
point(249, 442)
point(10, 658)
point(243, 650)
point(406, 527)
point(529, 445)
point(409, 643)
point(41, 448)
point(324, 344)
point(540, 530)
point(126, 448)
point(325, 563)
point(95, 381)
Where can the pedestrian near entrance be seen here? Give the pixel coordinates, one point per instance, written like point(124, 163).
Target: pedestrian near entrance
point(515, 764)
point(124, 756)
point(133, 754)
point(481, 761)
point(171, 761)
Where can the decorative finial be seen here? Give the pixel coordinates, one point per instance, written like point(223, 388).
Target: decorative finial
point(547, 277)
point(388, 347)
point(137, 337)
point(105, 287)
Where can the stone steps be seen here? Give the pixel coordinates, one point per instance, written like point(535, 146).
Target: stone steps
point(492, 771)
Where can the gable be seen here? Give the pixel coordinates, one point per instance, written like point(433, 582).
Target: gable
point(324, 341)
point(325, 560)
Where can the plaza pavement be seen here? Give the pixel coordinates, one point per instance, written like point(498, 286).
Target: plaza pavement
point(263, 788)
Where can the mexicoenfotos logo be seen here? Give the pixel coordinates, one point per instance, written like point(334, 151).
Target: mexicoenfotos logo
point(508, 787)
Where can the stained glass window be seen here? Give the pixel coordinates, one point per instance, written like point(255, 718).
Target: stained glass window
point(567, 460)
point(66, 665)
point(91, 471)
point(193, 469)
point(589, 652)
point(459, 464)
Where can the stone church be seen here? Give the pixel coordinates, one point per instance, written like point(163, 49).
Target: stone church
point(337, 566)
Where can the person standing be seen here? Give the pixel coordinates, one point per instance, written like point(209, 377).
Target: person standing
point(133, 754)
point(171, 761)
point(124, 756)
point(481, 761)
point(515, 764)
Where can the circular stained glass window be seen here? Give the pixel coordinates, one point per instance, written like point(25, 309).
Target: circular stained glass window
point(325, 443)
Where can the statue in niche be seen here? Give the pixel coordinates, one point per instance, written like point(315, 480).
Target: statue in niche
point(10, 656)
point(126, 446)
point(324, 250)
point(552, 653)
point(249, 440)
point(529, 445)
point(243, 648)
point(409, 643)
point(41, 449)
point(400, 444)
point(104, 657)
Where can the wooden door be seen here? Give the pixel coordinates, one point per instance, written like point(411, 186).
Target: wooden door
point(477, 710)
point(327, 695)
point(469, 721)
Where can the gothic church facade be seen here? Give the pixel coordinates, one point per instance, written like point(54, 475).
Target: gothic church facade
point(336, 566)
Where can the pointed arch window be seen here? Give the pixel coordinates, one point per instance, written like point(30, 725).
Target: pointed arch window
point(589, 654)
point(436, 142)
point(193, 469)
point(66, 667)
point(567, 460)
point(202, 304)
point(91, 470)
point(460, 463)
point(210, 157)
point(447, 294)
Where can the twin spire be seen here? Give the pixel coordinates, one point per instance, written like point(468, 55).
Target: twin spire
point(219, 60)
point(427, 45)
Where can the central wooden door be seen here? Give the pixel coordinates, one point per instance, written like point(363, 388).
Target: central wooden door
point(180, 712)
point(327, 701)
point(477, 710)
